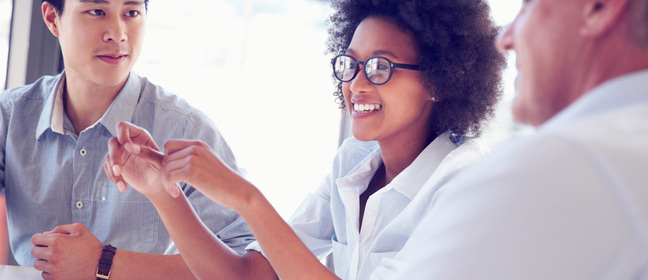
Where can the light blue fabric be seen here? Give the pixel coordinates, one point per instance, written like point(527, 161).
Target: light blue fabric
point(52, 177)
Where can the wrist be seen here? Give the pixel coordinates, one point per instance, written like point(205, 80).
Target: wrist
point(253, 201)
point(105, 262)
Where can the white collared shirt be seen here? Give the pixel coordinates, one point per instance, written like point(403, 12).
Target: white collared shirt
point(570, 202)
point(328, 219)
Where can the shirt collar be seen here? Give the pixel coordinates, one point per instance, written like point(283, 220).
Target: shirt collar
point(412, 178)
point(52, 114)
point(626, 90)
point(121, 109)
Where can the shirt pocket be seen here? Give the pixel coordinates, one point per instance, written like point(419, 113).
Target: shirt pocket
point(131, 223)
point(341, 258)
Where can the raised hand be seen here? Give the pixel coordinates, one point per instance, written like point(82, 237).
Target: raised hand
point(142, 172)
point(194, 163)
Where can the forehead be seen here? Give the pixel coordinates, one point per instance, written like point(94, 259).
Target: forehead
point(378, 36)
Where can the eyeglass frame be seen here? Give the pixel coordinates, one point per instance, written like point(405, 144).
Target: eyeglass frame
point(392, 66)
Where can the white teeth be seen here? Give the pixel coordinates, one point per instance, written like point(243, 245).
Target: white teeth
point(365, 108)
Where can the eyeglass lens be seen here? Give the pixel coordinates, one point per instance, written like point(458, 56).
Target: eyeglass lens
point(377, 69)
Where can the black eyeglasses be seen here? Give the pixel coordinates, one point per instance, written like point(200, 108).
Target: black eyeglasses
point(377, 69)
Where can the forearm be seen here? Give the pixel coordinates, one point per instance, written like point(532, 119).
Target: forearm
point(206, 255)
point(134, 265)
point(289, 257)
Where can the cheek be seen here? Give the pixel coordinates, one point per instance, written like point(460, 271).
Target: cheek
point(346, 91)
point(136, 35)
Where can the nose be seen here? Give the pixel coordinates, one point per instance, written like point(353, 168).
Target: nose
point(115, 30)
point(504, 40)
point(360, 83)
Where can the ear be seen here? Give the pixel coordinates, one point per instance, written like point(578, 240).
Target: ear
point(599, 16)
point(50, 16)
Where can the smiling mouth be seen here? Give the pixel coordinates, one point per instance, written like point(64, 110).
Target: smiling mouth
point(366, 108)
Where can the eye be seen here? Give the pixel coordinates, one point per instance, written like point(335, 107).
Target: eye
point(382, 66)
point(132, 13)
point(96, 12)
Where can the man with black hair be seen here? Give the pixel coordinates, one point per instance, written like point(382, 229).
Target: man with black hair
point(65, 216)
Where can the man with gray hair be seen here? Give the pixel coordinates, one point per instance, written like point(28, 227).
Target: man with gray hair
point(571, 201)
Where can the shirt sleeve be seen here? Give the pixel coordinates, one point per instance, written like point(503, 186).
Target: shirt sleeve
point(224, 222)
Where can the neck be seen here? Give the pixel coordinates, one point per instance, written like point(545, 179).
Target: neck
point(610, 67)
point(613, 55)
point(398, 155)
point(86, 102)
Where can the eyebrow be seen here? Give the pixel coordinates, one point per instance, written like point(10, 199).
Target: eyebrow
point(129, 3)
point(377, 52)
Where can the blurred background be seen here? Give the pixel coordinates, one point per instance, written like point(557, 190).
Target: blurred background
point(257, 68)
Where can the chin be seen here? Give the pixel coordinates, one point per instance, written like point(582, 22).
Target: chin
point(362, 136)
point(112, 79)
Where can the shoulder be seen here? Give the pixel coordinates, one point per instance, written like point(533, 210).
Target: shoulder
point(468, 151)
point(169, 108)
point(38, 91)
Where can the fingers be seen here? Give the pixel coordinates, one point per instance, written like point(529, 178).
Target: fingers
point(69, 228)
point(173, 189)
point(41, 265)
point(41, 252)
point(123, 132)
point(127, 133)
point(173, 146)
point(112, 164)
point(153, 156)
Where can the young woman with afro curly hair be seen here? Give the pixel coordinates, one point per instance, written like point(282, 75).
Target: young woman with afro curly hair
point(417, 78)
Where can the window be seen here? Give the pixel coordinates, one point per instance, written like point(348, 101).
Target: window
point(259, 70)
point(503, 126)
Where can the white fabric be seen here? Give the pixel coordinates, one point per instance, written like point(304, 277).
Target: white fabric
point(328, 219)
point(570, 202)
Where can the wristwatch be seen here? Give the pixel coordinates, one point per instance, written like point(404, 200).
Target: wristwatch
point(105, 262)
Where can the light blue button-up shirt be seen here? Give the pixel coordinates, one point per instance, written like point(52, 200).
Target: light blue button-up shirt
point(51, 176)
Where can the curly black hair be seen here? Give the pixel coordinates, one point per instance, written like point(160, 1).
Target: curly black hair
point(459, 63)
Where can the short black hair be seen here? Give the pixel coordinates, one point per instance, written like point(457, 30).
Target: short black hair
point(59, 4)
point(459, 63)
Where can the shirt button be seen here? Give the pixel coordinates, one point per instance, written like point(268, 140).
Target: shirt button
point(83, 152)
point(79, 204)
point(103, 198)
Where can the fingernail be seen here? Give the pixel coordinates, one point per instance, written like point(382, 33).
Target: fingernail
point(175, 192)
point(136, 149)
point(116, 170)
point(121, 186)
point(128, 147)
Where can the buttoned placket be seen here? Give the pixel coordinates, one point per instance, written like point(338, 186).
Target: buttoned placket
point(84, 171)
